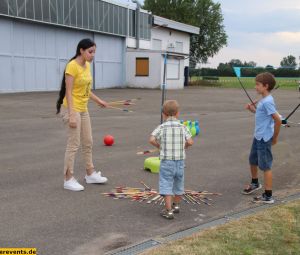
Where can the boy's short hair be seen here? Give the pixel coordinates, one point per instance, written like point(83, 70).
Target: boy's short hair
point(170, 108)
point(266, 78)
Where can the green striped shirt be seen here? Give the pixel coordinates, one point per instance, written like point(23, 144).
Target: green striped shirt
point(172, 135)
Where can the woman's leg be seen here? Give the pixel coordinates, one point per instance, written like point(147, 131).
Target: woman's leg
point(87, 142)
point(73, 143)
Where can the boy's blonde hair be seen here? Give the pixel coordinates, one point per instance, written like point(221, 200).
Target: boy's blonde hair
point(266, 78)
point(170, 108)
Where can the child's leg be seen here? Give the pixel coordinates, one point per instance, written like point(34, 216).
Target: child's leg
point(253, 161)
point(167, 212)
point(254, 172)
point(265, 164)
point(178, 187)
point(168, 202)
point(254, 185)
point(268, 182)
point(266, 197)
point(166, 182)
point(268, 179)
point(177, 199)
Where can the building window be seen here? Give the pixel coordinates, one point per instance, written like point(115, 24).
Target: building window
point(99, 15)
point(156, 44)
point(179, 47)
point(131, 23)
point(173, 69)
point(142, 67)
point(145, 26)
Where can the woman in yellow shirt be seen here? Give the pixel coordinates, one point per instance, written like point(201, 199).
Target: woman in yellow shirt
point(74, 95)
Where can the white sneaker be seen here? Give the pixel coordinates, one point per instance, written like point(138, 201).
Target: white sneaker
point(73, 185)
point(95, 177)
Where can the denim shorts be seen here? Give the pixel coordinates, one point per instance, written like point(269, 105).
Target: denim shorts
point(261, 154)
point(171, 177)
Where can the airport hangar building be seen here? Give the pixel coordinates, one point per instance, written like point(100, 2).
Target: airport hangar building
point(38, 37)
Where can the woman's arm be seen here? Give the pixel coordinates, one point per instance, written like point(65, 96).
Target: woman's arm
point(69, 87)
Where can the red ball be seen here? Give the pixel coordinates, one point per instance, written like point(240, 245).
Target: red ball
point(108, 140)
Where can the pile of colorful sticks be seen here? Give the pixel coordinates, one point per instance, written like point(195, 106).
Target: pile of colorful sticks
point(151, 196)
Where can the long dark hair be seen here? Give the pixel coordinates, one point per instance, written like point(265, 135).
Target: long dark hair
point(83, 44)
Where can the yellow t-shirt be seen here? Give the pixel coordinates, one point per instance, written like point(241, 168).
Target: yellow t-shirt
point(82, 85)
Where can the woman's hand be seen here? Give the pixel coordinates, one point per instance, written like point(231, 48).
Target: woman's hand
point(72, 121)
point(102, 103)
point(98, 101)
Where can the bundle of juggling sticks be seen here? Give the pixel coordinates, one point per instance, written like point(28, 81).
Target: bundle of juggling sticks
point(116, 104)
point(151, 196)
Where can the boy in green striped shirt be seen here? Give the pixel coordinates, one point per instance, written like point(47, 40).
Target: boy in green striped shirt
point(171, 138)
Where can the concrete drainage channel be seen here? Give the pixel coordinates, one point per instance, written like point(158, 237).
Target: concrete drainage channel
point(141, 247)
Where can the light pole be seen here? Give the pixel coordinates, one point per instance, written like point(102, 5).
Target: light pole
point(163, 93)
point(163, 86)
point(299, 79)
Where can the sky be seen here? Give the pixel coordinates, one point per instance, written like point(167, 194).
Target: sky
point(263, 31)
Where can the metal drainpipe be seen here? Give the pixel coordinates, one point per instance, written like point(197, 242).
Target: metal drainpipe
point(94, 66)
point(137, 26)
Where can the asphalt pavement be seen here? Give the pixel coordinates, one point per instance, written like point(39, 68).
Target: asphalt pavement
point(37, 212)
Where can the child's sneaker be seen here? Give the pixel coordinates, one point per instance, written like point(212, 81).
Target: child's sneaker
point(167, 214)
point(73, 185)
point(175, 208)
point(263, 199)
point(95, 177)
point(251, 188)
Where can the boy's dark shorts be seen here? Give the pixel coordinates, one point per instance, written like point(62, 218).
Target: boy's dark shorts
point(261, 154)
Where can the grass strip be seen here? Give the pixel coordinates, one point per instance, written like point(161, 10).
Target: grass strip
point(275, 231)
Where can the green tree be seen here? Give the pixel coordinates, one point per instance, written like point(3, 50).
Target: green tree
point(225, 69)
point(289, 61)
point(204, 14)
point(235, 62)
point(269, 67)
point(250, 63)
point(176, 10)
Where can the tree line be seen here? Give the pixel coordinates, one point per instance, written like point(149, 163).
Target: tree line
point(287, 68)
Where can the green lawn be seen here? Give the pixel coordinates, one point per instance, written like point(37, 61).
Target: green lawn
point(275, 231)
point(232, 82)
